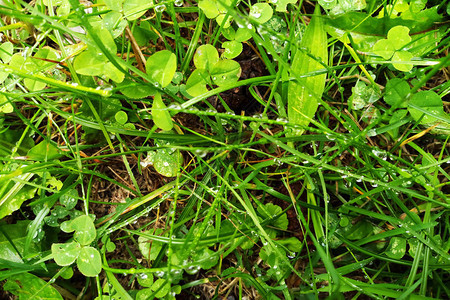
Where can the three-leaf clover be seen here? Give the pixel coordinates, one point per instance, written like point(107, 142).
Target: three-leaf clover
point(88, 258)
point(211, 69)
point(214, 9)
point(392, 48)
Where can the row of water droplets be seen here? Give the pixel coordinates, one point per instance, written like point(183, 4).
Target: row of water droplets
point(162, 7)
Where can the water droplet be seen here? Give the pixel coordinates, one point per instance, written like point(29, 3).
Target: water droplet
point(255, 12)
point(160, 8)
point(178, 2)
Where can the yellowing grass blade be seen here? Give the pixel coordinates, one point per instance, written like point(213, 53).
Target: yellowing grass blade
point(303, 94)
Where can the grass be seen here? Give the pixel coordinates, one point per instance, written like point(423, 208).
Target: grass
point(229, 202)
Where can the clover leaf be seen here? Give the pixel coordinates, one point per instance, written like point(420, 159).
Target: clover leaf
point(209, 66)
point(160, 114)
point(205, 57)
point(216, 9)
point(161, 67)
point(84, 228)
point(232, 49)
point(426, 101)
point(391, 48)
point(89, 261)
point(396, 91)
point(196, 83)
point(88, 258)
point(65, 254)
point(261, 13)
point(396, 248)
point(225, 71)
point(281, 4)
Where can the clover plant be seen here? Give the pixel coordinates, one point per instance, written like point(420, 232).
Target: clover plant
point(87, 258)
point(392, 48)
point(211, 70)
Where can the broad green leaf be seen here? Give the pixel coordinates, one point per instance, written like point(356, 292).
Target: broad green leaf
point(110, 71)
point(114, 22)
point(105, 37)
point(160, 115)
point(114, 4)
point(162, 286)
point(328, 4)
point(304, 93)
point(36, 65)
point(161, 67)
point(121, 117)
point(44, 150)
point(3, 76)
point(34, 85)
point(220, 20)
point(90, 63)
point(83, 225)
point(166, 164)
point(428, 101)
point(89, 261)
point(145, 279)
point(232, 49)
point(149, 248)
point(40, 56)
point(67, 273)
point(6, 52)
point(25, 285)
point(281, 5)
point(384, 48)
point(398, 36)
point(64, 8)
point(196, 83)
point(5, 106)
point(225, 71)
point(10, 138)
point(17, 234)
point(292, 243)
point(206, 57)
point(413, 247)
point(396, 91)
point(260, 12)
point(243, 34)
point(17, 61)
point(134, 9)
point(396, 248)
point(358, 231)
point(270, 211)
point(135, 90)
point(144, 294)
point(402, 56)
point(143, 34)
point(205, 258)
point(209, 8)
point(17, 193)
point(69, 199)
point(229, 33)
point(65, 254)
